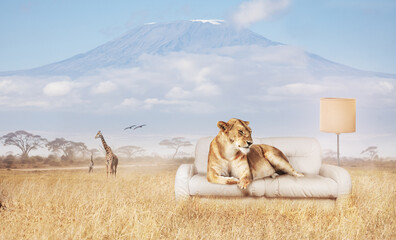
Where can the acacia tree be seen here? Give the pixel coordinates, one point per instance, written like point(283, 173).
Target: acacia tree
point(175, 143)
point(130, 151)
point(372, 152)
point(23, 140)
point(93, 151)
point(329, 154)
point(68, 148)
point(80, 147)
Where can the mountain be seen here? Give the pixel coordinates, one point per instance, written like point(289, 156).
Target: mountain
point(158, 38)
point(197, 36)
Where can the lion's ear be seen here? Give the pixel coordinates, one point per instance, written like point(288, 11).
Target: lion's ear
point(222, 125)
point(247, 122)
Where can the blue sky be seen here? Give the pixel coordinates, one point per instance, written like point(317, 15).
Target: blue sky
point(357, 33)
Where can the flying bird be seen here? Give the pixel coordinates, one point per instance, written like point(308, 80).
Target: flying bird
point(130, 127)
point(140, 126)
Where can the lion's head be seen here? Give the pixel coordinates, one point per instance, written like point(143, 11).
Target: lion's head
point(238, 133)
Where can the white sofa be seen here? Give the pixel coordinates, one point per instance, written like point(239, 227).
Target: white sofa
point(304, 154)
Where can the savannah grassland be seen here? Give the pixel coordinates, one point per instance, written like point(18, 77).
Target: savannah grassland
point(139, 204)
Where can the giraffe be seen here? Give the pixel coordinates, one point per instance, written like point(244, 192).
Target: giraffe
point(111, 158)
point(91, 165)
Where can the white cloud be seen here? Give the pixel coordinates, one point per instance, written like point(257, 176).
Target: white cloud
point(7, 86)
point(181, 67)
point(280, 54)
point(33, 103)
point(150, 102)
point(18, 103)
point(297, 89)
point(184, 106)
point(201, 90)
point(18, 84)
point(57, 89)
point(212, 21)
point(231, 77)
point(167, 105)
point(178, 93)
point(196, 107)
point(386, 87)
point(257, 10)
point(131, 102)
point(207, 89)
point(361, 86)
point(27, 92)
point(104, 87)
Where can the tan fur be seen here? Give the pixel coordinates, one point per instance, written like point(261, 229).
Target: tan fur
point(265, 160)
point(232, 159)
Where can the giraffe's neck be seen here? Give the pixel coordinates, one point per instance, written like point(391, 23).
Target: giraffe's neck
point(105, 146)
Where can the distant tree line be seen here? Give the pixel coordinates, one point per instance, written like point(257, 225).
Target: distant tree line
point(370, 153)
point(71, 151)
point(26, 142)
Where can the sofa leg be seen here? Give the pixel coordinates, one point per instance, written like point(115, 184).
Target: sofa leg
point(342, 201)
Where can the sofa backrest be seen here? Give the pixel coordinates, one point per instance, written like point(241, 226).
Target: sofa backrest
point(304, 153)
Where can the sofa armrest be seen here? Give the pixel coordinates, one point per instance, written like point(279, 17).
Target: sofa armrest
point(183, 176)
point(339, 175)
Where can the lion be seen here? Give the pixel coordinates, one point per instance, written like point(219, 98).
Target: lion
point(234, 159)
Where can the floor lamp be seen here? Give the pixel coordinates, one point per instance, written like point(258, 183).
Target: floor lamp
point(338, 115)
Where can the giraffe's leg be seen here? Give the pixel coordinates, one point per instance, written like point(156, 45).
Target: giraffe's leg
point(115, 166)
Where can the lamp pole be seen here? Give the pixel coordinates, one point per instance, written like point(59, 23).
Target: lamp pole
point(338, 149)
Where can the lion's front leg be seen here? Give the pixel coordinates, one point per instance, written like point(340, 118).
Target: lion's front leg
point(214, 177)
point(241, 170)
point(244, 182)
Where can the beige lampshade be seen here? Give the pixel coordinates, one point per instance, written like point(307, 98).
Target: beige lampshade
point(338, 115)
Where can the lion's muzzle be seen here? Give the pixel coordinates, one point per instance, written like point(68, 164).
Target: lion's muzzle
point(245, 149)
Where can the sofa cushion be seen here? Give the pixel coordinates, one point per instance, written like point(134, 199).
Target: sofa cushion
point(199, 185)
point(282, 186)
point(304, 153)
point(308, 186)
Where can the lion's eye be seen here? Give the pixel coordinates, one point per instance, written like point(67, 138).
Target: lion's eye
point(241, 132)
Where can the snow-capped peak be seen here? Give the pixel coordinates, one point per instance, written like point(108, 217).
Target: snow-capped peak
point(212, 21)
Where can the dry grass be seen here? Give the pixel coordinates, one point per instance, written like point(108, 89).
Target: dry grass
point(139, 204)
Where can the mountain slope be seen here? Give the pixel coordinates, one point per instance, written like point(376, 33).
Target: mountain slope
point(159, 38)
point(197, 36)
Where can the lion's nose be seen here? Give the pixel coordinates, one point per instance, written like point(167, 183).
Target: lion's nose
point(249, 143)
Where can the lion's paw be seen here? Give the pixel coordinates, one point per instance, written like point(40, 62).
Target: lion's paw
point(243, 183)
point(297, 174)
